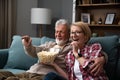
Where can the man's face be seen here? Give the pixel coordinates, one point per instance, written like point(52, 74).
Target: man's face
point(61, 34)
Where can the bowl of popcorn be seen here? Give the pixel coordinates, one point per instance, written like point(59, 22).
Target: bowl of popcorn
point(47, 57)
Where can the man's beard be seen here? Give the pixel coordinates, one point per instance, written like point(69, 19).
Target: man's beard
point(61, 42)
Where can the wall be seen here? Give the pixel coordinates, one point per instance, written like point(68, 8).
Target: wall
point(60, 9)
point(23, 17)
point(67, 6)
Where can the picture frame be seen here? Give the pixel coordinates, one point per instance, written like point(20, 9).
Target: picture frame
point(85, 17)
point(109, 18)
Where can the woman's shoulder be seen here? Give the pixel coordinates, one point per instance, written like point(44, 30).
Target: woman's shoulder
point(94, 44)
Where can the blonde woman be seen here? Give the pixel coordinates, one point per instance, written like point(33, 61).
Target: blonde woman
point(79, 59)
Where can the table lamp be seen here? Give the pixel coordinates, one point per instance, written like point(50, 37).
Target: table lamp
point(40, 16)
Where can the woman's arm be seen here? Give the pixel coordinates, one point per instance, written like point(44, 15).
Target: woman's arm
point(81, 59)
point(59, 70)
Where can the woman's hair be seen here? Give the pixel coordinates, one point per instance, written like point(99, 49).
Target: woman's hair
point(62, 22)
point(85, 29)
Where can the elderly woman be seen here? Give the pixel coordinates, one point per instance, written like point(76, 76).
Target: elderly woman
point(80, 58)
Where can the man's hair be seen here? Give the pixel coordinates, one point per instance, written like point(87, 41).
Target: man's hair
point(62, 22)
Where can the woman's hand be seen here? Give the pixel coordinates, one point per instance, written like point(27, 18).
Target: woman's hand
point(75, 46)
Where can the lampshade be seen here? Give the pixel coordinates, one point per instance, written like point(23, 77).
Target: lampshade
point(40, 16)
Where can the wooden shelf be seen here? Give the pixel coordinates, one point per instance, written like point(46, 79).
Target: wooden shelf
point(99, 5)
point(97, 11)
point(103, 25)
point(101, 30)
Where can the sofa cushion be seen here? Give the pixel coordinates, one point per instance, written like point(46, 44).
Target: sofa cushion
point(109, 44)
point(46, 39)
point(17, 58)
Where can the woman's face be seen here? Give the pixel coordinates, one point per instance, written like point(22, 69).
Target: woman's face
point(77, 34)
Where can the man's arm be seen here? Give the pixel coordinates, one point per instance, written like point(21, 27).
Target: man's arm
point(33, 50)
point(27, 44)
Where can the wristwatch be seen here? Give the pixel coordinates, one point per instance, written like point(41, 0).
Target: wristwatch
point(79, 54)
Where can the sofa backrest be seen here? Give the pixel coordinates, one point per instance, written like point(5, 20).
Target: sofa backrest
point(17, 58)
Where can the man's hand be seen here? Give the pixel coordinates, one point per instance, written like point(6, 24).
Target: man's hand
point(97, 66)
point(26, 40)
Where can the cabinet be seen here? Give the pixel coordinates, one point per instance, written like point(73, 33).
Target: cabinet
point(97, 11)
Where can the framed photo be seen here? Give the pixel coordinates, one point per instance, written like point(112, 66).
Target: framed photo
point(109, 18)
point(85, 17)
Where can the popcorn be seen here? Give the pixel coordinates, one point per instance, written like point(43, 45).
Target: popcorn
point(47, 57)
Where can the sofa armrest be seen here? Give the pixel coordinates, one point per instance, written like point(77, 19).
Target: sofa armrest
point(118, 63)
point(3, 57)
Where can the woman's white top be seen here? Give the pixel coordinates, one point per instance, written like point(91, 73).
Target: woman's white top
point(77, 71)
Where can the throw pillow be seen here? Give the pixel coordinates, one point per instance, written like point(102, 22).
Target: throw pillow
point(17, 58)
